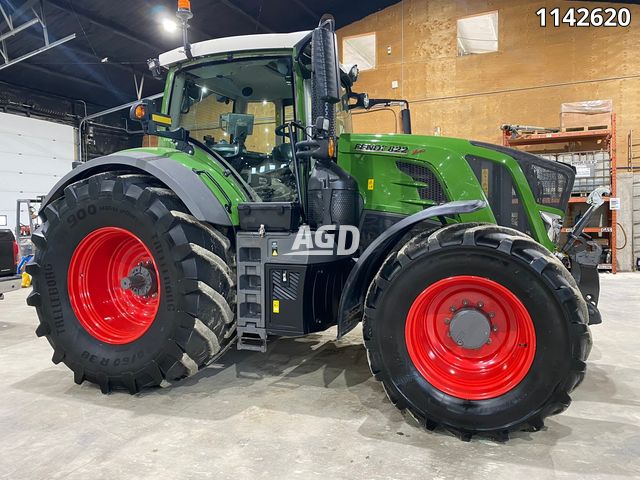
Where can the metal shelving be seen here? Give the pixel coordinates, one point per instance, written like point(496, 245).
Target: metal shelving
point(608, 136)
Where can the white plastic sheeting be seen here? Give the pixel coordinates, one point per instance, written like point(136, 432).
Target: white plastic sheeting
point(478, 34)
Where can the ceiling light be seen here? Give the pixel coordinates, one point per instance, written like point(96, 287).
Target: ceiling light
point(264, 102)
point(169, 25)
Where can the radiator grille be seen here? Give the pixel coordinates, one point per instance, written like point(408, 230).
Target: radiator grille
point(433, 190)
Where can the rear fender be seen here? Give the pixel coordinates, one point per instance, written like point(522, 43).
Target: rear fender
point(183, 181)
point(353, 295)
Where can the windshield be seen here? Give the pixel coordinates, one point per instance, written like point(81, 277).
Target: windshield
point(234, 108)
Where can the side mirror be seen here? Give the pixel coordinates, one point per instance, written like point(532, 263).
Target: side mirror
point(354, 73)
point(325, 71)
point(349, 77)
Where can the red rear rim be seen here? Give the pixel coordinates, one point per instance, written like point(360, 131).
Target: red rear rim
point(439, 352)
point(107, 310)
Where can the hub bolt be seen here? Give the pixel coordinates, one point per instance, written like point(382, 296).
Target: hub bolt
point(459, 342)
point(492, 314)
point(452, 308)
point(480, 304)
point(465, 302)
point(447, 321)
point(488, 341)
point(494, 328)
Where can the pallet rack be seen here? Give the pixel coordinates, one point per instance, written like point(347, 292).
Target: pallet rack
point(609, 137)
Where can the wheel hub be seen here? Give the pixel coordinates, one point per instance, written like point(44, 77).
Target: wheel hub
point(470, 329)
point(141, 280)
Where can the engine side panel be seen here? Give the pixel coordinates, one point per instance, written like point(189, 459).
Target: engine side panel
point(404, 174)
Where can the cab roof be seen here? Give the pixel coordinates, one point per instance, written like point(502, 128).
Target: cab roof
point(270, 41)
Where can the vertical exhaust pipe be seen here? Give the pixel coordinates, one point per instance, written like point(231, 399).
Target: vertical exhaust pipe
point(405, 116)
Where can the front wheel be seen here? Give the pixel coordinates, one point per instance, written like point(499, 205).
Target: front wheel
point(130, 289)
point(476, 328)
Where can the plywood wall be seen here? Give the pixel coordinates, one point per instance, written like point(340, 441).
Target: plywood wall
point(535, 70)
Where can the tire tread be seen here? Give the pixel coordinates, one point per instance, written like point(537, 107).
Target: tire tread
point(511, 242)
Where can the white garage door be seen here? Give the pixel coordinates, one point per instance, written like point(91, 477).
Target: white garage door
point(34, 155)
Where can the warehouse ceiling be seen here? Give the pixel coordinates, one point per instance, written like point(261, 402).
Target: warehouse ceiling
point(115, 38)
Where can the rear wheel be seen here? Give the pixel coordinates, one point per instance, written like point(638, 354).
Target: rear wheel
point(130, 289)
point(476, 328)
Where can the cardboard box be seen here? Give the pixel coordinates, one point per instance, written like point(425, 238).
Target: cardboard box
point(587, 115)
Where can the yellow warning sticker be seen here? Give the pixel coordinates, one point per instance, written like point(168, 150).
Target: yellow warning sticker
point(371, 184)
point(276, 306)
point(485, 181)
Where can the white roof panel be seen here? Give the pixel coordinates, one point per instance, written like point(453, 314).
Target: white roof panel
point(270, 41)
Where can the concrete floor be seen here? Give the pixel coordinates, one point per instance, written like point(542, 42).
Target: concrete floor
point(307, 409)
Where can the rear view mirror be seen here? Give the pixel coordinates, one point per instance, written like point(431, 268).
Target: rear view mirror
point(325, 71)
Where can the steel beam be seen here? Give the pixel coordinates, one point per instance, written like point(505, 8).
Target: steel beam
point(24, 7)
point(6, 16)
point(112, 61)
point(15, 30)
point(38, 51)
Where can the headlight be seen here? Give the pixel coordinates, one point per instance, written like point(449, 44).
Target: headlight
point(553, 223)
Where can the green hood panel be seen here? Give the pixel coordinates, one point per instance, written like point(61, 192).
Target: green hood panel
point(373, 160)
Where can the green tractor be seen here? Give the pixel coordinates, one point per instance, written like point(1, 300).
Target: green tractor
point(260, 215)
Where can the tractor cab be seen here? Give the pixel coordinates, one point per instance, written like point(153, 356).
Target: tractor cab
point(240, 96)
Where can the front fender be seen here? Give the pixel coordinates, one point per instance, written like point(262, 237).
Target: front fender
point(201, 202)
point(353, 295)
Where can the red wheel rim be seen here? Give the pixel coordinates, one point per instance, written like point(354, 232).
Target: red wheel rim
point(103, 307)
point(488, 371)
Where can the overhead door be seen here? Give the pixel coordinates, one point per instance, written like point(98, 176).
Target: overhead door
point(34, 155)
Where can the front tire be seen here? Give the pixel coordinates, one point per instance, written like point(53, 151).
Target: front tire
point(478, 329)
point(130, 289)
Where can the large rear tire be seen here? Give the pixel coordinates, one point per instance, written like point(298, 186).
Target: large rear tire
point(174, 312)
point(478, 329)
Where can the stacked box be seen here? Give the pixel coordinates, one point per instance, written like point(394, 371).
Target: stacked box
point(589, 115)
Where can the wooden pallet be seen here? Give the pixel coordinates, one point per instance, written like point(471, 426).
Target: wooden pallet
point(586, 128)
